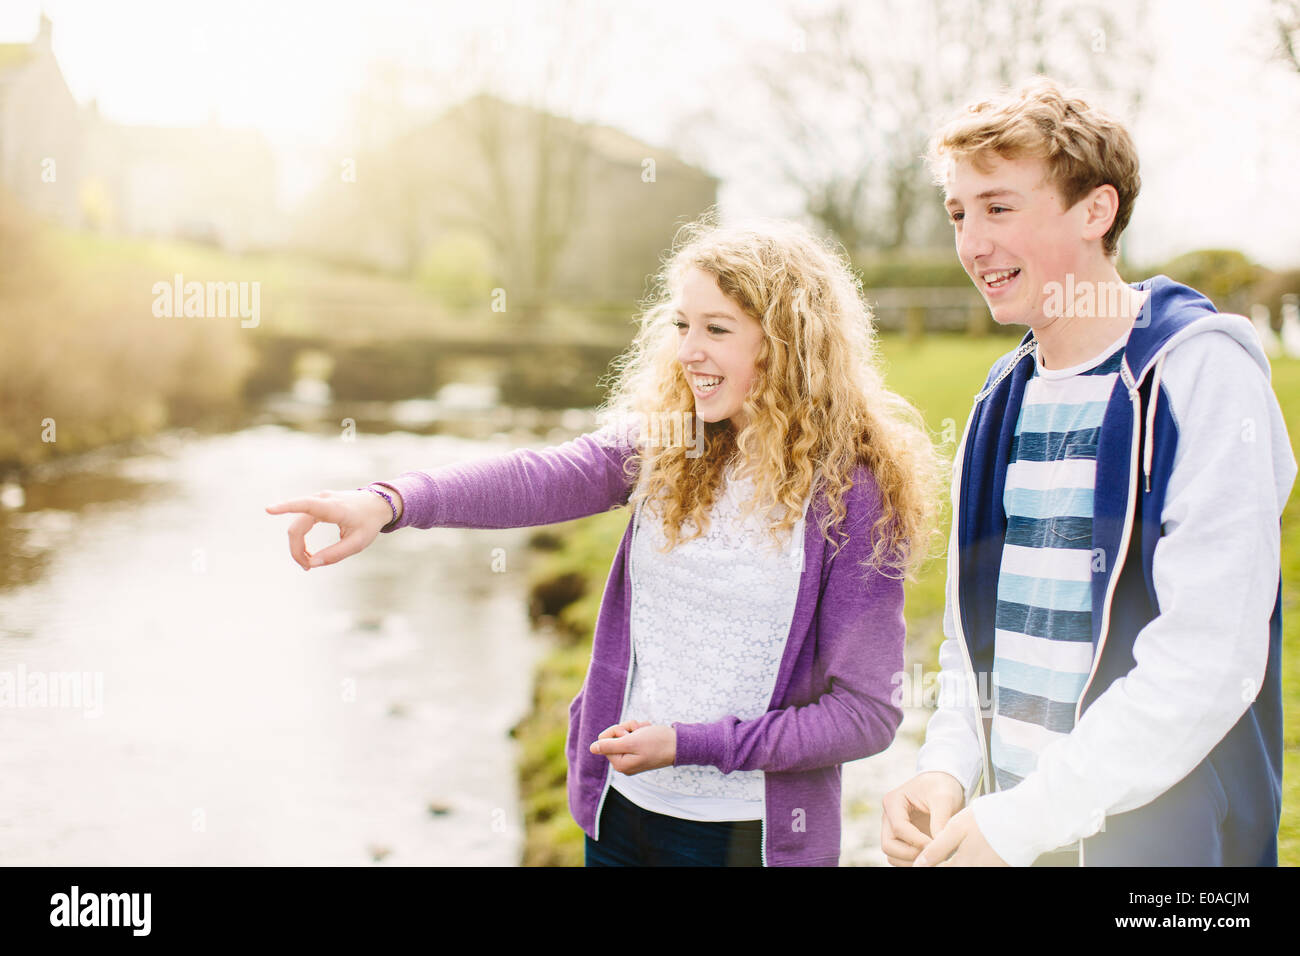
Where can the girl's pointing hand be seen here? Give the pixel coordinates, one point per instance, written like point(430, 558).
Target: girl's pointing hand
point(358, 514)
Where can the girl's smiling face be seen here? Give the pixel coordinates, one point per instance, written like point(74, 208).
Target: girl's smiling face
point(718, 345)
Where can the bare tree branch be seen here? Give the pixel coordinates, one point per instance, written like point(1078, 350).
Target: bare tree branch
point(1286, 19)
point(854, 112)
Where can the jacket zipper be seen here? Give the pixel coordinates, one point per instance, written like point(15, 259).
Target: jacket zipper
point(955, 561)
point(1135, 401)
point(803, 564)
point(627, 683)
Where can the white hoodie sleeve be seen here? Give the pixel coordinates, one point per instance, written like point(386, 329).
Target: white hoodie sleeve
point(952, 742)
point(1198, 664)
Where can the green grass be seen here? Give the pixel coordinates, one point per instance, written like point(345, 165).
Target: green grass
point(1286, 385)
point(552, 837)
point(940, 375)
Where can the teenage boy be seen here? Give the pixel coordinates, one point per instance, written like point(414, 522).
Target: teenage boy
point(1113, 569)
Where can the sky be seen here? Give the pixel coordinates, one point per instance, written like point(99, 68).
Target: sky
point(1218, 134)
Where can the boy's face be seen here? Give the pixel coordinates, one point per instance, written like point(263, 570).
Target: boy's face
point(1013, 234)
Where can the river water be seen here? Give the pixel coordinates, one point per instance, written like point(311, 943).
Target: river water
point(174, 689)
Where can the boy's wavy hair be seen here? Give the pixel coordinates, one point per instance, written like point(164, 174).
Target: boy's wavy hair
point(818, 406)
point(1083, 146)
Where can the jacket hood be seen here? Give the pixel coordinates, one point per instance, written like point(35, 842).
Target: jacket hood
point(1184, 313)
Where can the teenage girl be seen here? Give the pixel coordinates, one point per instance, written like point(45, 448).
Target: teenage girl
point(751, 630)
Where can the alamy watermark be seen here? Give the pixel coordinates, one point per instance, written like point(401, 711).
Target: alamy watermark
point(1092, 300)
point(924, 689)
point(129, 910)
point(210, 300)
point(82, 690)
point(668, 429)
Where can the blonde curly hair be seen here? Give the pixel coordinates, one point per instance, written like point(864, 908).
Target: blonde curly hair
point(817, 409)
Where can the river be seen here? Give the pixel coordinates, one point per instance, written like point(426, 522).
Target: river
point(179, 691)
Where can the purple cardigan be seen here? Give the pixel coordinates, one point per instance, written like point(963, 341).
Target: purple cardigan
point(832, 699)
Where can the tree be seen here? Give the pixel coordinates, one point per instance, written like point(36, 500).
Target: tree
point(857, 96)
point(1286, 20)
point(503, 166)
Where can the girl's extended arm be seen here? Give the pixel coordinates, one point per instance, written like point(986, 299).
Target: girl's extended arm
point(520, 489)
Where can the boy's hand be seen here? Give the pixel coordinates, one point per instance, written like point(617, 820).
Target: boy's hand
point(635, 746)
point(915, 812)
point(960, 843)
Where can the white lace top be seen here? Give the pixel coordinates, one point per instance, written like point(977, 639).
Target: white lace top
point(709, 622)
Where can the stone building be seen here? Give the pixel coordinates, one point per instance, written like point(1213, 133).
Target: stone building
point(569, 210)
point(70, 165)
point(41, 136)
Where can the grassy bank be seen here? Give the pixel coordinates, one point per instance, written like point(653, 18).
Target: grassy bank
point(85, 351)
point(1286, 383)
point(85, 361)
point(939, 375)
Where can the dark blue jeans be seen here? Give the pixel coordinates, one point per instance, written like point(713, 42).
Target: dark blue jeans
point(631, 836)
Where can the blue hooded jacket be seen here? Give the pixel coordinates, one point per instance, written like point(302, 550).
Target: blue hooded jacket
point(1226, 811)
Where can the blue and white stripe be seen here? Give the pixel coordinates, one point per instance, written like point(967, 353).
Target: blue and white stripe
point(1043, 637)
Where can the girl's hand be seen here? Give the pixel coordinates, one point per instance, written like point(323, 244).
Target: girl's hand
point(358, 514)
point(635, 746)
point(618, 730)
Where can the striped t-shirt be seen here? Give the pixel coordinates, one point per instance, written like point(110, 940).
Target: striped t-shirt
point(1043, 636)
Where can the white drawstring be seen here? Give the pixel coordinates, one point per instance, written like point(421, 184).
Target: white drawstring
point(1151, 421)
